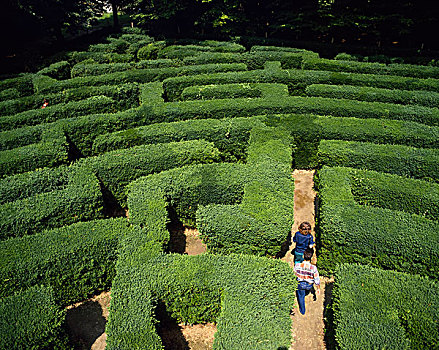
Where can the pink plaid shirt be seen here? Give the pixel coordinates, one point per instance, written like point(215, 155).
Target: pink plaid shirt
point(305, 271)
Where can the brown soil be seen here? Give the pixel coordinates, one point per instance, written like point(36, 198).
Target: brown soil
point(309, 329)
point(86, 322)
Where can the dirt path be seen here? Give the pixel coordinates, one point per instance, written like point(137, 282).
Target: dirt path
point(308, 329)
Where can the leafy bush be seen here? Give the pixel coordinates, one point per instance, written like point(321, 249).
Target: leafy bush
point(208, 92)
point(102, 57)
point(377, 236)
point(21, 84)
point(256, 298)
point(31, 320)
point(370, 94)
point(230, 136)
point(49, 114)
point(376, 309)
point(59, 70)
point(405, 70)
point(51, 151)
point(406, 161)
point(126, 95)
point(33, 182)
point(77, 261)
point(116, 169)
point(150, 51)
point(135, 75)
point(309, 130)
point(343, 56)
point(80, 200)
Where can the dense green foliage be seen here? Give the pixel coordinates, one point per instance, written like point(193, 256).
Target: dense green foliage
point(255, 295)
point(419, 163)
point(230, 136)
point(376, 309)
point(80, 200)
point(378, 219)
point(31, 319)
point(116, 169)
point(77, 261)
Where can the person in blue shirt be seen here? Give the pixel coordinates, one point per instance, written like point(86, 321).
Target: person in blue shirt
point(303, 239)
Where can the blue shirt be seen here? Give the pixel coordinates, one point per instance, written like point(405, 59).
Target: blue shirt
point(303, 241)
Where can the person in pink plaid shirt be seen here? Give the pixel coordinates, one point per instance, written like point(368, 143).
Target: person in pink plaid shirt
point(307, 276)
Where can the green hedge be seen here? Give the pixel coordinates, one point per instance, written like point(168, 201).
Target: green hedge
point(126, 95)
point(116, 169)
point(350, 231)
point(51, 151)
point(308, 130)
point(370, 94)
point(259, 225)
point(209, 92)
point(256, 296)
point(46, 84)
point(22, 84)
point(297, 80)
point(406, 161)
point(33, 182)
point(406, 70)
point(102, 57)
point(80, 200)
point(230, 136)
point(396, 193)
point(181, 51)
point(84, 69)
point(81, 131)
point(116, 45)
point(32, 320)
point(376, 309)
point(77, 261)
point(279, 103)
point(49, 114)
point(59, 70)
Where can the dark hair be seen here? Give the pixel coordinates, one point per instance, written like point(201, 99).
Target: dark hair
point(304, 224)
point(307, 255)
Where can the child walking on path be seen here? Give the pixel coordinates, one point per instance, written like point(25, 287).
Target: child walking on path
point(307, 276)
point(303, 239)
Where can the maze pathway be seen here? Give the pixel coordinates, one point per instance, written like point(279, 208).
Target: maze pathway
point(308, 329)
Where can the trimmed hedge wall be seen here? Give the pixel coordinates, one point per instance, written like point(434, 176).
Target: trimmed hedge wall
point(32, 320)
point(101, 57)
point(256, 296)
point(298, 79)
point(46, 84)
point(21, 84)
point(86, 68)
point(209, 92)
point(116, 169)
point(126, 96)
point(230, 136)
point(259, 225)
point(49, 114)
point(174, 111)
point(406, 161)
point(308, 130)
point(376, 309)
point(81, 131)
point(392, 239)
point(59, 70)
point(406, 70)
point(33, 182)
point(51, 151)
point(80, 200)
point(77, 261)
point(423, 98)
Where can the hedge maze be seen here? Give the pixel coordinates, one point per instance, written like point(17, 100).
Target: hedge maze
point(209, 132)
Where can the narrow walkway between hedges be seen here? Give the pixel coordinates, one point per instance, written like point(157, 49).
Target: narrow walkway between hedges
point(308, 329)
